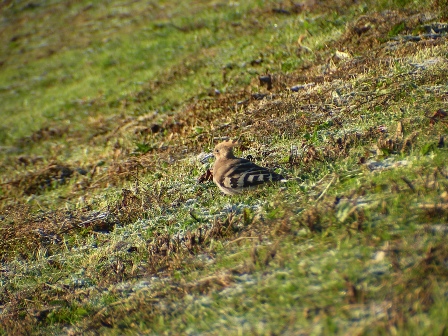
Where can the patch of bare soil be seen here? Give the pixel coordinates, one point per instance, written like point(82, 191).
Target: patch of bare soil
point(35, 182)
point(43, 134)
point(25, 231)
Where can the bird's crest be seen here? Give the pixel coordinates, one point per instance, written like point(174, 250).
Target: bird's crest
point(229, 143)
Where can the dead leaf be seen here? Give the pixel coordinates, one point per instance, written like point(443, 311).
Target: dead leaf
point(207, 176)
point(438, 116)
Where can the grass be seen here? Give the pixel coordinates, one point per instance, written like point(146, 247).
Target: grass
point(105, 227)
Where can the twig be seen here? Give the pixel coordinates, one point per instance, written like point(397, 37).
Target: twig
point(194, 216)
point(415, 38)
point(323, 178)
point(240, 238)
point(409, 183)
point(429, 206)
point(99, 217)
point(326, 189)
point(372, 99)
point(116, 303)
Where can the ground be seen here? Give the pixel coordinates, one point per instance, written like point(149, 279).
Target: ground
point(110, 224)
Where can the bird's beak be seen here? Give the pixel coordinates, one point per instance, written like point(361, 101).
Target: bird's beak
point(206, 158)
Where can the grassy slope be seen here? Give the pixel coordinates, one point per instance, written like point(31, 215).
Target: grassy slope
point(105, 226)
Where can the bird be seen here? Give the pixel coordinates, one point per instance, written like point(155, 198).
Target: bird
point(233, 175)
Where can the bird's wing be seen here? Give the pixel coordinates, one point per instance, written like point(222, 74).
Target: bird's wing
point(243, 173)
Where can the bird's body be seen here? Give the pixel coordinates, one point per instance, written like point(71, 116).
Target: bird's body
point(232, 175)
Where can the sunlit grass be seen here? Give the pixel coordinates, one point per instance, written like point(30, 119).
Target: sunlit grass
point(106, 227)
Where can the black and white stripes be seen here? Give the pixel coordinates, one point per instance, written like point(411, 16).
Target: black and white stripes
point(232, 175)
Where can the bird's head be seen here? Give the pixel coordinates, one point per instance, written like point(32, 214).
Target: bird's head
point(224, 150)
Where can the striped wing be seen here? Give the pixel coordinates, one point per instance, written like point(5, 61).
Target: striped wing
point(244, 173)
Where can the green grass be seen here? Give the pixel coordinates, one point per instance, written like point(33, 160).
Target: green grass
point(105, 227)
point(113, 70)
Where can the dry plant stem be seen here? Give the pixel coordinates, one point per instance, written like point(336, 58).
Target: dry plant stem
point(240, 239)
point(326, 189)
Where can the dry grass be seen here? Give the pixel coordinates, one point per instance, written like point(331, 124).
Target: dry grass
point(105, 228)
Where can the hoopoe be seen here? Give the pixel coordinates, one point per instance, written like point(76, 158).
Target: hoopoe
point(232, 175)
